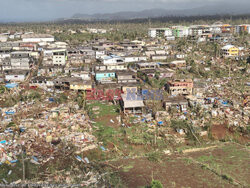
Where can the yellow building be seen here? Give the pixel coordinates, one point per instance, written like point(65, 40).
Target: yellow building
point(230, 51)
point(81, 86)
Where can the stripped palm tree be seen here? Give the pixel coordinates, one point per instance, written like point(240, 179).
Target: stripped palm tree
point(2, 89)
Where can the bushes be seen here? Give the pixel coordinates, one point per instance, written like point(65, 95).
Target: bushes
point(61, 98)
point(189, 129)
point(10, 101)
point(11, 124)
point(80, 100)
point(179, 124)
point(154, 156)
point(34, 95)
point(156, 184)
point(139, 136)
point(2, 89)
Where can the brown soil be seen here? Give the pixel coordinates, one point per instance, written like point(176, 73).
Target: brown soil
point(106, 121)
point(221, 132)
point(231, 159)
point(172, 172)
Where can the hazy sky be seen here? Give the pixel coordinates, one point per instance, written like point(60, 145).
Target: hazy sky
point(40, 10)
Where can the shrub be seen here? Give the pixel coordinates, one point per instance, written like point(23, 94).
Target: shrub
point(34, 95)
point(62, 98)
point(154, 156)
point(156, 184)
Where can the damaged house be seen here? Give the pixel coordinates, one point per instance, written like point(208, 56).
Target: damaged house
point(178, 64)
point(126, 77)
point(65, 82)
point(132, 103)
point(180, 87)
point(20, 60)
point(178, 102)
point(105, 76)
point(16, 75)
point(81, 85)
point(42, 81)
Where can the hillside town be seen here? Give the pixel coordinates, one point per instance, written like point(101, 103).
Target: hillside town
point(68, 109)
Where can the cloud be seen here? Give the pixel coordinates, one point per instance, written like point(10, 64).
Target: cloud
point(30, 10)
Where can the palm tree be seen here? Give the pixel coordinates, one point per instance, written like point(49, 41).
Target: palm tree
point(2, 89)
point(216, 49)
point(157, 75)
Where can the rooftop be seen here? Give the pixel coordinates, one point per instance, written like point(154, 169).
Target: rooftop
point(227, 47)
point(37, 36)
point(132, 101)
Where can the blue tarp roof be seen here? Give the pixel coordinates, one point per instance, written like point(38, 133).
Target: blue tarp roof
point(144, 91)
point(11, 85)
point(10, 113)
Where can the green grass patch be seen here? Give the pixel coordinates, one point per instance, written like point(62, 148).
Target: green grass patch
point(188, 161)
point(154, 156)
point(31, 171)
point(205, 158)
point(127, 168)
point(104, 109)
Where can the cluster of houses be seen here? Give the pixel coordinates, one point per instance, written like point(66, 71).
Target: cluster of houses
point(224, 34)
point(103, 65)
point(216, 32)
point(19, 58)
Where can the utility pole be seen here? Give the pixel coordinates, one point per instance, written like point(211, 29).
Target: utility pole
point(156, 134)
point(23, 163)
point(149, 22)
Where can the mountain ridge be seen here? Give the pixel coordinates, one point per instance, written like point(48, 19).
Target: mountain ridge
point(154, 13)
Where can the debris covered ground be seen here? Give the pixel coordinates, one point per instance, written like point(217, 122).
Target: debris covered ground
point(102, 111)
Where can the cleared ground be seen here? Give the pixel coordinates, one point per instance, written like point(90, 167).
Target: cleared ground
point(222, 166)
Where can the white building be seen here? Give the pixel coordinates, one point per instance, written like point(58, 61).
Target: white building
point(20, 60)
point(119, 66)
point(168, 32)
point(16, 76)
point(170, 38)
point(56, 45)
point(4, 55)
point(36, 38)
point(159, 57)
point(112, 60)
point(152, 33)
point(93, 30)
point(100, 54)
point(135, 59)
point(198, 30)
point(5, 64)
point(159, 32)
point(59, 57)
point(180, 56)
point(3, 38)
point(215, 28)
point(84, 75)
